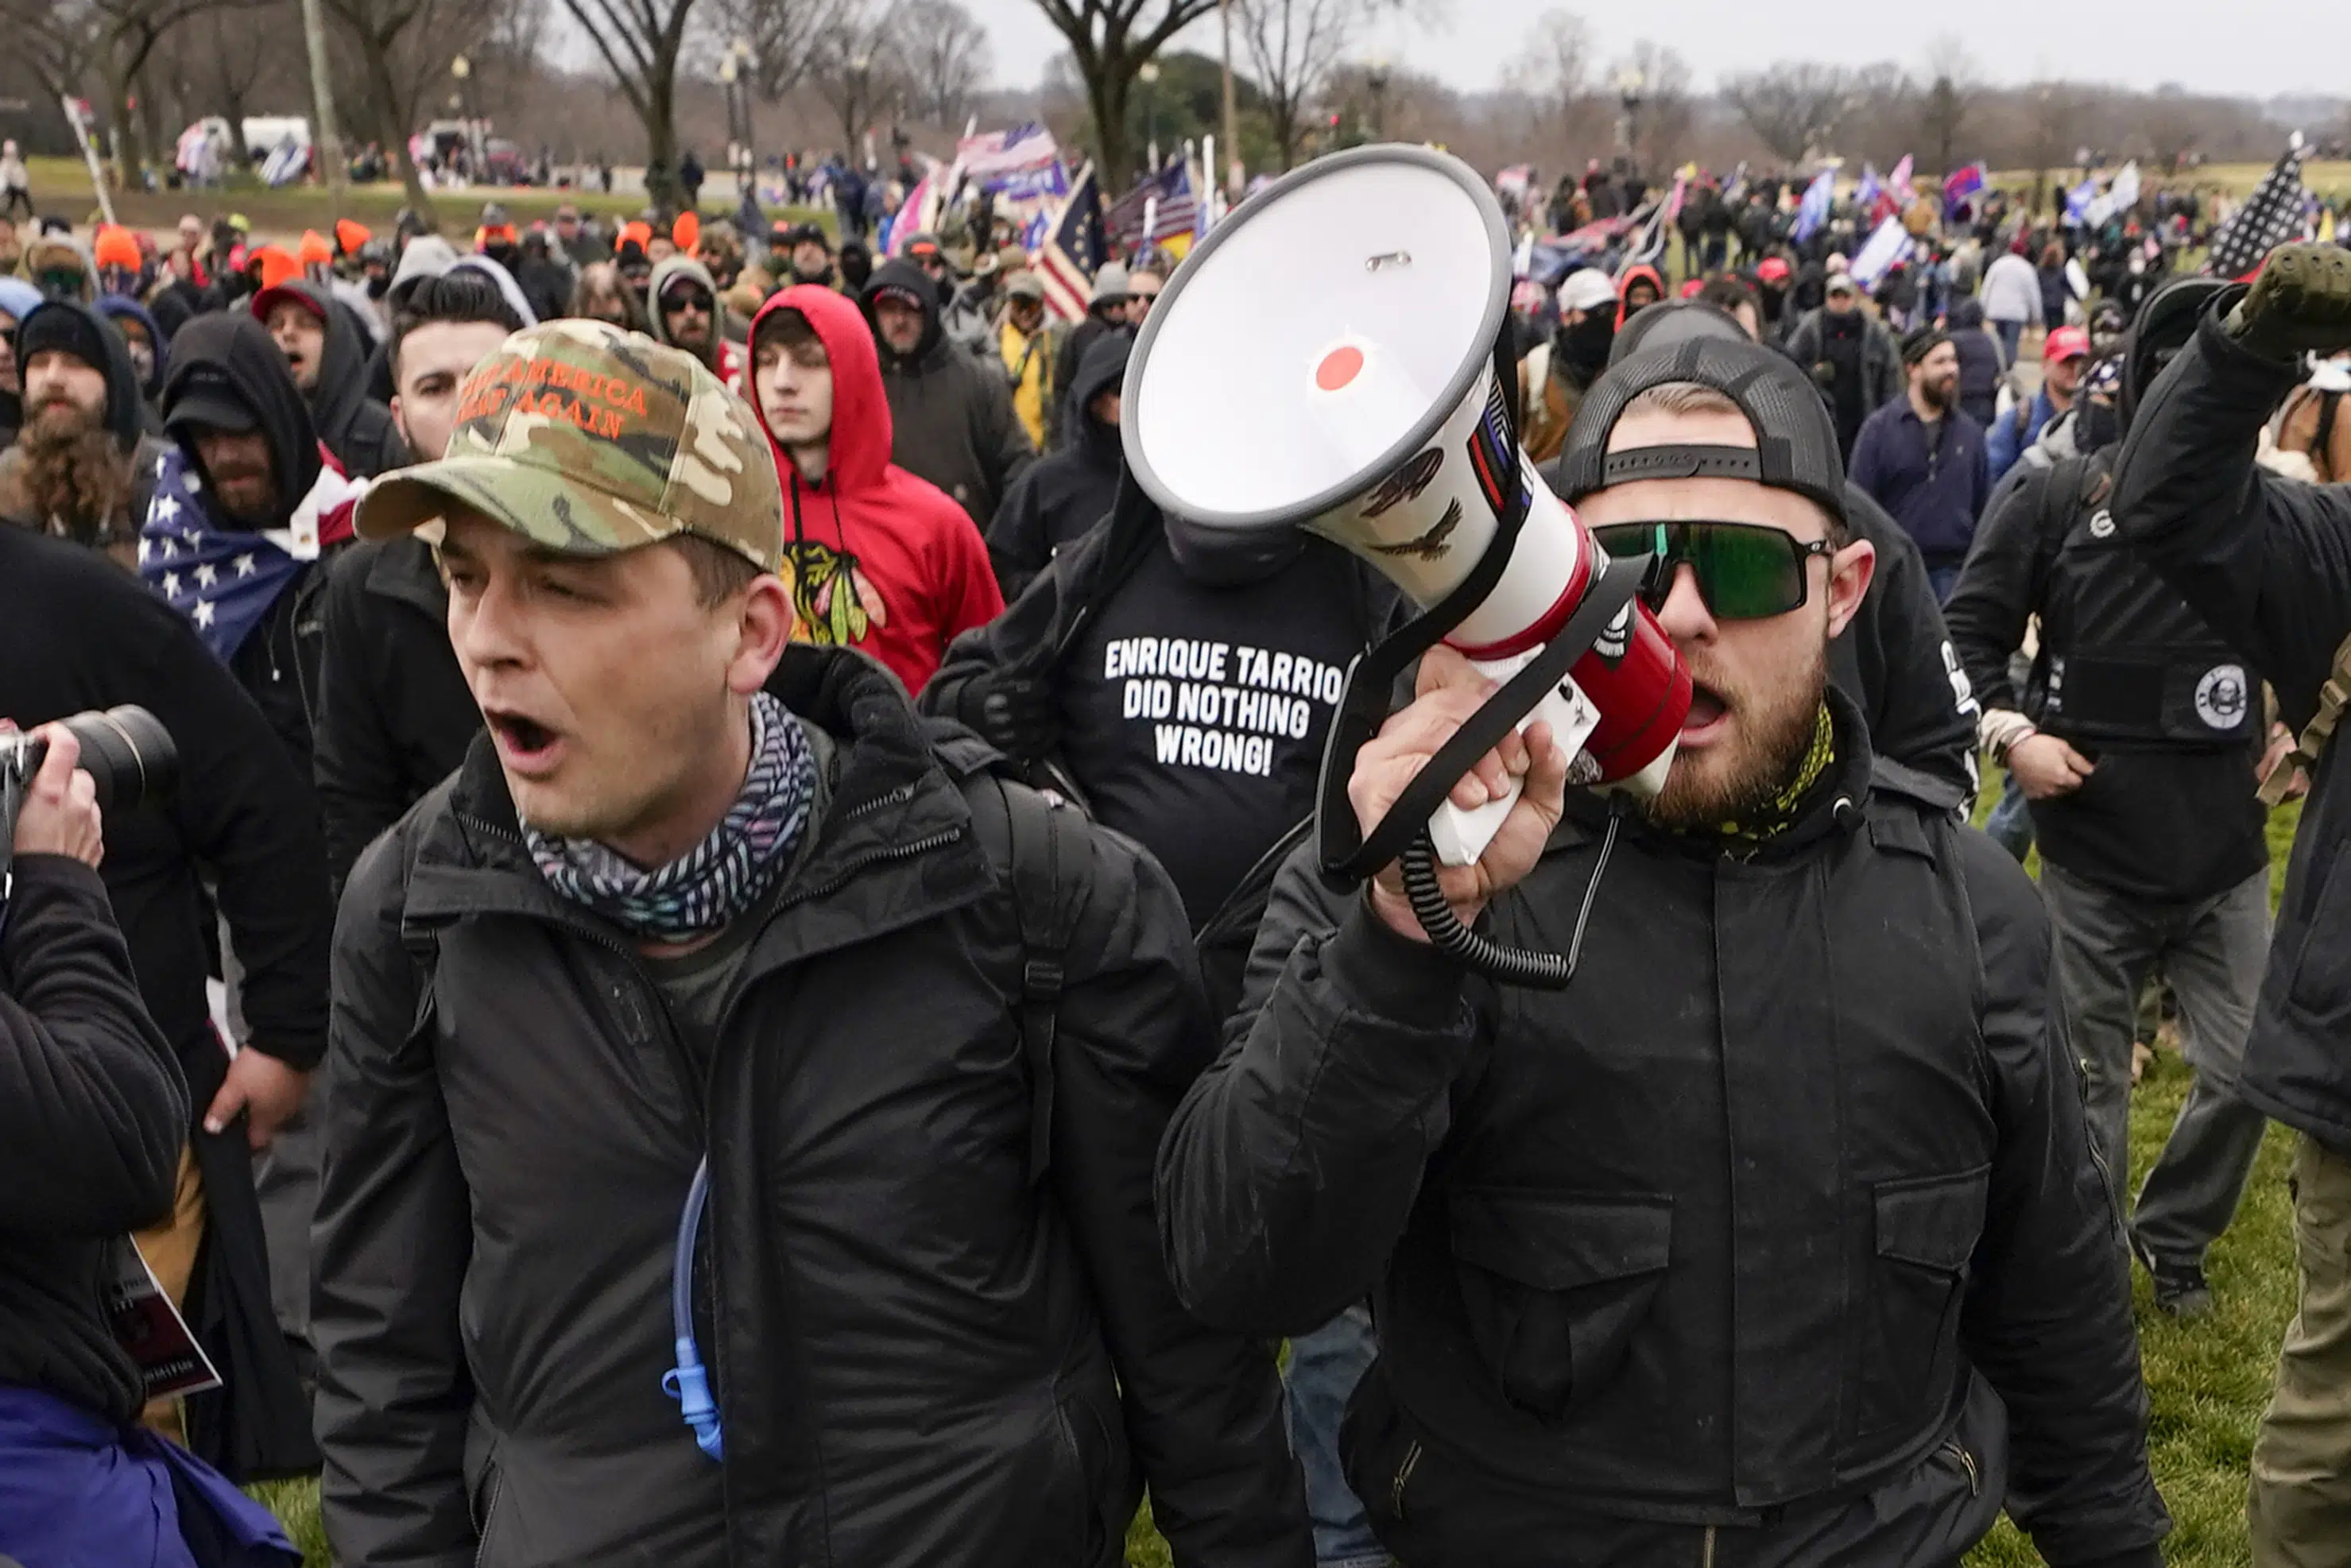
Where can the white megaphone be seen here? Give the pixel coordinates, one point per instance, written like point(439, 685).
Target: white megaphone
point(1329, 357)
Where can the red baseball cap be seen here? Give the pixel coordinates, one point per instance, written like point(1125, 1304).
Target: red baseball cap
point(1771, 269)
point(2065, 343)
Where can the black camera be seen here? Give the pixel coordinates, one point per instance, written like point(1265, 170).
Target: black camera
point(126, 751)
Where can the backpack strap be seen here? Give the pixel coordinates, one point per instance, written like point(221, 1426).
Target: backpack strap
point(2333, 698)
point(1040, 845)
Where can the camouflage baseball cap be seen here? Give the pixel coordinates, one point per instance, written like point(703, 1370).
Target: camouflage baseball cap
point(590, 441)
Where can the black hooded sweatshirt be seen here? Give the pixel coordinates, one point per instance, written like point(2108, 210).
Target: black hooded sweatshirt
point(951, 413)
point(278, 663)
point(1068, 491)
point(356, 428)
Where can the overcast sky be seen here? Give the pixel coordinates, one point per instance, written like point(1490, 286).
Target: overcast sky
point(2245, 47)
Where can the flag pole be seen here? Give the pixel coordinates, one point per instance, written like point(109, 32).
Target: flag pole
point(90, 159)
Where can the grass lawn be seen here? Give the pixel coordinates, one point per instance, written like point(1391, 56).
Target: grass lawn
point(61, 186)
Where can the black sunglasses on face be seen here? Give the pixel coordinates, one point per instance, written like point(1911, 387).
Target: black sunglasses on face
point(687, 299)
point(1745, 571)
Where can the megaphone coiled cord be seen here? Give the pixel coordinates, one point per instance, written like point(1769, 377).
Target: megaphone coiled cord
point(1505, 966)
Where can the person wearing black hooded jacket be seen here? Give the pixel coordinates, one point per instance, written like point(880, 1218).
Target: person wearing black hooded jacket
point(2136, 739)
point(82, 466)
point(1066, 491)
point(228, 375)
point(2267, 562)
point(328, 357)
point(78, 633)
point(951, 412)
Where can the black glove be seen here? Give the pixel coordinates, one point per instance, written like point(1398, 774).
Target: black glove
point(1018, 716)
point(2300, 304)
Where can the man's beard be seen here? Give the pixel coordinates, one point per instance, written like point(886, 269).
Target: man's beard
point(1938, 394)
point(73, 476)
point(1731, 782)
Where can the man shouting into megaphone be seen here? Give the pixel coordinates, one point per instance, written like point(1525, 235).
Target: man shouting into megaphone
point(1774, 1239)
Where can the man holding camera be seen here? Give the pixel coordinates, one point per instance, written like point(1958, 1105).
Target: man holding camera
point(2267, 562)
point(96, 1114)
point(1773, 1240)
point(706, 914)
point(76, 633)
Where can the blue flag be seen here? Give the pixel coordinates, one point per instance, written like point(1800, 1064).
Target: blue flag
point(1814, 210)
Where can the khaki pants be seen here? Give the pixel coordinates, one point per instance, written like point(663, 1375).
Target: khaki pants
point(2300, 1506)
point(170, 1250)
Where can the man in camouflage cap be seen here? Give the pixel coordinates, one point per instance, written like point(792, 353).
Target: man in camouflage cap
point(707, 915)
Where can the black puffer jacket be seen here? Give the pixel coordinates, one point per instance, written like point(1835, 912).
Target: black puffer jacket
point(394, 715)
point(356, 428)
point(1069, 490)
point(951, 415)
point(2267, 562)
point(1721, 1255)
point(921, 1356)
point(96, 1112)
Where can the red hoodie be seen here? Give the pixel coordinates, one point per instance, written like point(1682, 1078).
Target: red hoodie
point(1644, 273)
point(878, 560)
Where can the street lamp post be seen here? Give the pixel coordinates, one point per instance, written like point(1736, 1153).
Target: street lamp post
point(1630, 85)
point(1148, 75)
point(461, 69)
point(1376, 78)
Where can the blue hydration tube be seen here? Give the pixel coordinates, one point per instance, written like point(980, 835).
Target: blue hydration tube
point(688, 1382)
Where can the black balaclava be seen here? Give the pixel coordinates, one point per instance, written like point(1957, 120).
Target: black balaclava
point(1586, 343)
point(1230, 558)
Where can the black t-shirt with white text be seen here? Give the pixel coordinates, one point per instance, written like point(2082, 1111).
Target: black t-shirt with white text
point(1192, 718)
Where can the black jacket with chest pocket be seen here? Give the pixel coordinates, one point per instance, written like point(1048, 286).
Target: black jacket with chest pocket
point(920, 1356)
point(1739, 1243)
point(951, 415)
point(2267, 562)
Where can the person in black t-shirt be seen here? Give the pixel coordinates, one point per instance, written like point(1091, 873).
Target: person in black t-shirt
point(1182, 681)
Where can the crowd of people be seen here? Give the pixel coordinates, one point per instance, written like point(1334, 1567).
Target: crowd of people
point(734, 974)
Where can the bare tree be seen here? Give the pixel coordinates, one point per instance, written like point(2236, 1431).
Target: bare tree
point(859, 66)
point(1109, 41)
point(115, 39)
point(947, 57)
point(404, 49)
point(1667, 114)
point(1554, 70)
point(641, 42)
point(1950, 93)
point(1794, 107)
point(2051, 131)
point(782, 37)
point(1293, 46)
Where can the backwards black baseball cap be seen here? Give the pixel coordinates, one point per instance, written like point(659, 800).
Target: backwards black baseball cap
point(1796, 444)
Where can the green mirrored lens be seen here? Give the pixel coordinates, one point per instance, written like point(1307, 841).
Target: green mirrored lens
point(1745, 573)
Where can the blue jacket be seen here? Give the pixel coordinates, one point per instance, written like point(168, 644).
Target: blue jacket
point(2003, 445)
point(1933, 482)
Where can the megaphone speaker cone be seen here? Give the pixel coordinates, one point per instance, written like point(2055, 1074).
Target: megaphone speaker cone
point(1326, 359)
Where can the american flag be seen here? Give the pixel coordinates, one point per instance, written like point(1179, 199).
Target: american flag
point(1003, 158)
point(1074, 251)
point(1179, 209)
point(2270, 217)
point(223, 579)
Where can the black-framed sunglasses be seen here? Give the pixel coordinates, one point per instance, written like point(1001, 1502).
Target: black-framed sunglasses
point(1745, 571)
point(687, 299)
